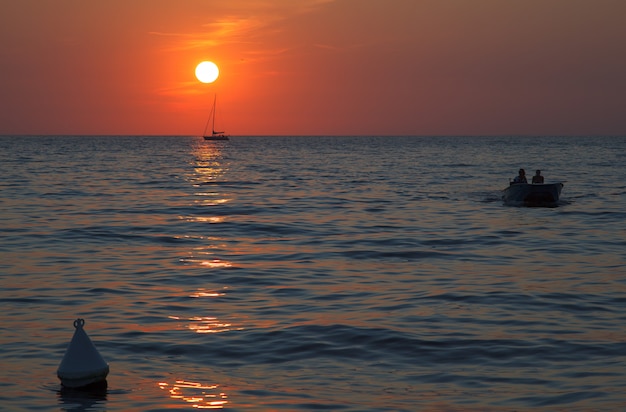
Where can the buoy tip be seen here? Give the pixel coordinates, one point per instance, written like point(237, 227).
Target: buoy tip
point(79, 323)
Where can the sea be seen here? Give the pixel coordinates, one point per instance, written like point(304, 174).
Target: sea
point(313, 273)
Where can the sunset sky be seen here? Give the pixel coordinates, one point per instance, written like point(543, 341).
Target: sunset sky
point(304, 67)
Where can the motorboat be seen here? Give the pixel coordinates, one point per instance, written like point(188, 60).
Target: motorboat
point(532, 194)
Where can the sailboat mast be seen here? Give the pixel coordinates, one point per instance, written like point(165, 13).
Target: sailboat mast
point(214, 108)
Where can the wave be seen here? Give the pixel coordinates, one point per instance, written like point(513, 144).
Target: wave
point(344, 343)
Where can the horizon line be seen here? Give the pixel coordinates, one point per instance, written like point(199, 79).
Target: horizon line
point(308, 135)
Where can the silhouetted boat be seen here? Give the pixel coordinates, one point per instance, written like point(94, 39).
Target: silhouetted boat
point(214, 135)
point(532, 195)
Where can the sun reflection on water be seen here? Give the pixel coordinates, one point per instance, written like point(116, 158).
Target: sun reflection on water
point(216, 263)
point(207, 324)
point(212, 202)
point(212, 263)
point(200, 396)
point(203, 219)
point(208, 162)
point(208, 168)
point(203, 293)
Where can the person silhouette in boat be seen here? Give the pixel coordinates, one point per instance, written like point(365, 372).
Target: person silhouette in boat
point(521, 177)
point(537, 178)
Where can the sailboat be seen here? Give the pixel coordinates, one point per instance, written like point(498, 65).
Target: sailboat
point(214, 135)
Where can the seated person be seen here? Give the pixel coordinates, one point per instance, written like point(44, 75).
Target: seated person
point(537, 178)
point(521, 177)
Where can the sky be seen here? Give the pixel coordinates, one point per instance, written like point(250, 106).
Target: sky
point(314, 67)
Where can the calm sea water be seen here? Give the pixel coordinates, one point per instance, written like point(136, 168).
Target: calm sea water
point(314, 273)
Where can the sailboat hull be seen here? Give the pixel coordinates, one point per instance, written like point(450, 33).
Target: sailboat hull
point(220, 137)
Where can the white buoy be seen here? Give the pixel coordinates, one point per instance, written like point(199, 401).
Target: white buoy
point(82, 364)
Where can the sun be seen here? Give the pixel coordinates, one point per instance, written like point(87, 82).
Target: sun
point(207, 72)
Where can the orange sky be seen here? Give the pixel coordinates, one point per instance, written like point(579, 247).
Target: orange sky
point(372, 67)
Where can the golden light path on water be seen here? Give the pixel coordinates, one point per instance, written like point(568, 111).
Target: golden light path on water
point(206, 324)
point(198, 395)
point(213, 263)
point(207, 169)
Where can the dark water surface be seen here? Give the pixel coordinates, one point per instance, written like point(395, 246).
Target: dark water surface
point(314, 273)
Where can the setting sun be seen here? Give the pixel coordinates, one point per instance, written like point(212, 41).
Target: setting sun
point(207, 72)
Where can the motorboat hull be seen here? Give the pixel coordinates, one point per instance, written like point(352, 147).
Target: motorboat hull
point(532, 195)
